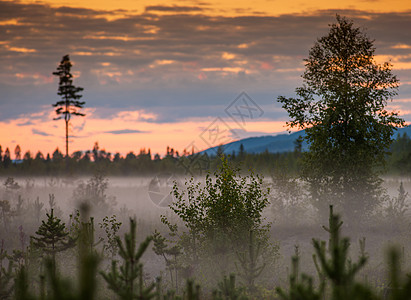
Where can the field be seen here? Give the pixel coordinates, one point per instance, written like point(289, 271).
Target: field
point(147, 198)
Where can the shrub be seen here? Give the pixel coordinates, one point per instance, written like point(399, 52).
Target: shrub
point(219, 218)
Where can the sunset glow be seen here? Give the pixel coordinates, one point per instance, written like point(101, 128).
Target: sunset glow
point(125, 132)
point(231, 8)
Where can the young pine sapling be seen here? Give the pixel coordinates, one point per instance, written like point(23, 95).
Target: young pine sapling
point(127, 280)
point(52, 236)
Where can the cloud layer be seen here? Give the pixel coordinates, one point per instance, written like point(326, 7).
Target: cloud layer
point(170, 64)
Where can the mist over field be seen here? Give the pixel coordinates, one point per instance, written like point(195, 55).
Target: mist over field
point(147, 199)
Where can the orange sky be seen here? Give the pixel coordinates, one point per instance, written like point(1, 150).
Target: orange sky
point(241, 7)
point(179, 135)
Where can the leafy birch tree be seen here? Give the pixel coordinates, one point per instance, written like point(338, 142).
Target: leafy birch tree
point(342, 107)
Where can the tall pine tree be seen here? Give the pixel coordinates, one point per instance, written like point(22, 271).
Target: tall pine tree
point(69, 104)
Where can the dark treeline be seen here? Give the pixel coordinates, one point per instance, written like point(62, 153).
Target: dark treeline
point(143, 163)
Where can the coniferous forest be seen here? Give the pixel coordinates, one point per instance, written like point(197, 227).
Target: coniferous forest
point(143, 162)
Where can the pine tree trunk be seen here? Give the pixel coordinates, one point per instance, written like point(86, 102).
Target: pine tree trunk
point(67, 138)
point(66, 159)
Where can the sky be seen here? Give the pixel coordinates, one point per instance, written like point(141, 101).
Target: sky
point(179, 73)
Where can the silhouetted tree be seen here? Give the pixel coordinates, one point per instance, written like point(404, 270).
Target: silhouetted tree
point(86, 156)
point(298, 144)
point(57, 155)
point(131, 156)
point(96, 152)
point(241, 151)
point(17, 152)
point(77, 155)
point(220, 151)
point(27, 158)
point(117, 157)
point(69, 105)
point(6, 158)
point(39, 156)
point(341, 106)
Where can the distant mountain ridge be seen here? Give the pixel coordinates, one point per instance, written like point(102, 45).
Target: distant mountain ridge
point(273, 143)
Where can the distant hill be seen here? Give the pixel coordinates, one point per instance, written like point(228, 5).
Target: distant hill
point(270, 143)
point(273, 143)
